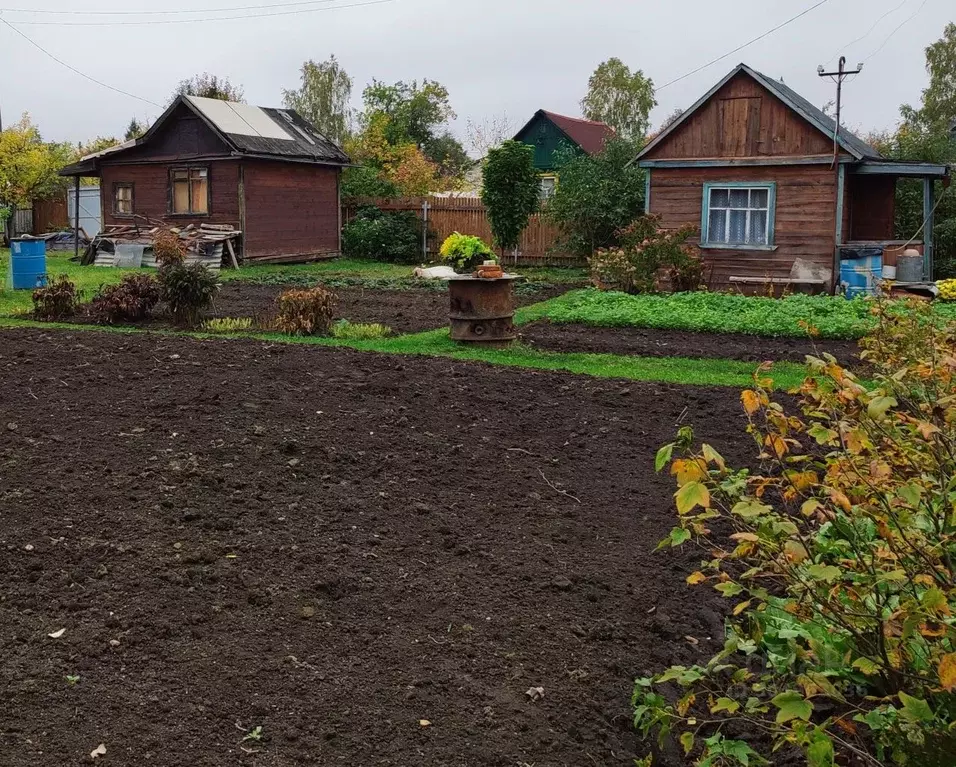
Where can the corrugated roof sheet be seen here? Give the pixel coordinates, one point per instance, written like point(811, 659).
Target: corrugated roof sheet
point(587, 134)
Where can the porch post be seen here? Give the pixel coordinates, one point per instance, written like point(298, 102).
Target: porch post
point(838, 233)
point(76, 220)
point(928, 205)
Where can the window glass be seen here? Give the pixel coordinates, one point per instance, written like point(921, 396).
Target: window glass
point(738, 215)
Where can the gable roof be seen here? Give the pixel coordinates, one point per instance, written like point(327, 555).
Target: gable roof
point(850, 143)
point(281, 134)
point(589, 135)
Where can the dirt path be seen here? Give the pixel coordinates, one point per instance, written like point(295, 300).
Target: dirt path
point(333, 546)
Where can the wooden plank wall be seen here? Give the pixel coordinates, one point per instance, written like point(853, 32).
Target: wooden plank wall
point(467, 215)
point(805, 224)
point(50, 215)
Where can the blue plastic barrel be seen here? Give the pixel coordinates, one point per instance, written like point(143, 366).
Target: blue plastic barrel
point(861, 275)
point(27, 263)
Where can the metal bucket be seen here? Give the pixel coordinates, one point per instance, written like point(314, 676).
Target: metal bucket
point(909, 268)
point(482, 310)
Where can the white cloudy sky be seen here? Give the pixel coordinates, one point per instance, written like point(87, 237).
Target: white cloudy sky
point(495, 56)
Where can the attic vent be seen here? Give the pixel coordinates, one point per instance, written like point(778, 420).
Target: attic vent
point(296, 128)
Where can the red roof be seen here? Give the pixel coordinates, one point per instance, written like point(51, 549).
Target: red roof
point(587, 134)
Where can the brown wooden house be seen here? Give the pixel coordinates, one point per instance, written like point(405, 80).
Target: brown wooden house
point(779, 193)
point(266, 172)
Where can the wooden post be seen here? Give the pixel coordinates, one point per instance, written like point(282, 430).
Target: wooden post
point(838, 233)
point(928, 206)
point(76, 220)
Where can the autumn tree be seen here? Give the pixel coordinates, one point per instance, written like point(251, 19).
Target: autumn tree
point(621, 98)
point(209, 87)
point(416, 111)
point(323, 98)
point(386, 169)
point(489, 133)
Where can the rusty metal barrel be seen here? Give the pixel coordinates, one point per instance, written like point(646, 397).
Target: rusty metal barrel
point(482, 310)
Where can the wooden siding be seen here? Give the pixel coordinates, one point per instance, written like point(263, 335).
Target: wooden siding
point(291, 211)
point(743, 119)
point(546, 138)
point(871, 207)
point(151, 193)
point(805, 217)
point(183, 136)
point(467, 215)
point(50, 215)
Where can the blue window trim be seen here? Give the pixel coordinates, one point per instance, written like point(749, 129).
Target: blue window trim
point(770, 186)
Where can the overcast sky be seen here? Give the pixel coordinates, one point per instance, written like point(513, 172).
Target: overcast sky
point(495, 56)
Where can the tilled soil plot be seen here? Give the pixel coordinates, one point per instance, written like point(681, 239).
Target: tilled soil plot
point(404, 311)
point(371, 558)
point(645, 342)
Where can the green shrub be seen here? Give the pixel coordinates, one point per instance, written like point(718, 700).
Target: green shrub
point(510, 191)
point(57, 300)
point(187, 292)
point(464, 252)
point(131, 300)
point(394, 236)
point(306, 312)
point(358, 331)
point(229, 324)
point(839, 554)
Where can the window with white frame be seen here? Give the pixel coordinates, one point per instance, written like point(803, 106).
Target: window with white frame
point(547, 187)
point(738, 214)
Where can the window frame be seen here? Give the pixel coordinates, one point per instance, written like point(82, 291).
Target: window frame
point(769, 186)
point(117, 185)
point(542, 177)
point(172, 190)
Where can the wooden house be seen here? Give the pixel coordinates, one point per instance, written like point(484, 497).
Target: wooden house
point(780, 194)
point(548, 132)
point(266, 172)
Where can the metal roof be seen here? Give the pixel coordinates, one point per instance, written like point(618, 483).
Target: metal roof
point(238, 119)
point(589, 135)
point(847, 140)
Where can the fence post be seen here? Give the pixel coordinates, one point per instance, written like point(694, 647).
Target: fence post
point(425, 207)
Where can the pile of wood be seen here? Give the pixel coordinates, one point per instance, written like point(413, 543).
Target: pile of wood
point(205, 243)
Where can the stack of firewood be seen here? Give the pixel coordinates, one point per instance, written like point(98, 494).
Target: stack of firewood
point(201, 242)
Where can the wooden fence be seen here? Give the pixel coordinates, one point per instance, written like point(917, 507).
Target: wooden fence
point(467, 215)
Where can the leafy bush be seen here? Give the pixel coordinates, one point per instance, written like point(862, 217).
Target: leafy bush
point(306, 312)
point(355, 331)
point(57, 300)
point(598, 196)
point(510, 191)
point(465, 252)
point(168, 248)
point(366, 181)
point(840, 556)
point(834, 317)
point(394, 236)
point(645, 251)
point(187, 292)
point(228, 324)
point(131, 300)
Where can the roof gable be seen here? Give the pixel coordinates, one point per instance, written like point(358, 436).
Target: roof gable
point(810, 114)
point(588, 135)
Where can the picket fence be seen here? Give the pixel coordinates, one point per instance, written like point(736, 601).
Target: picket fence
point(467, 215)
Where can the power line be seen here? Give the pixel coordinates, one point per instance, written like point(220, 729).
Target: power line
point(161, 13)
point(74, 69)
point(869, 32)
point(741, 47)
point(195, 21)
point(905, 21)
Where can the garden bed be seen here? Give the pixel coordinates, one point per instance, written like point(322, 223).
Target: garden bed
point(572, 337)
point(371, 558)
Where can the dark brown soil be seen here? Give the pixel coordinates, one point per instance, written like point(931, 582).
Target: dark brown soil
point(404, 311)
point(677, 343)
point(333, 547)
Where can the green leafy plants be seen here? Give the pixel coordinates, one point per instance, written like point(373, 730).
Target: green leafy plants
point(358, 331)
point(465, 252)
point(255, 734)
point(57, 300)
point(839, 556)
point(378, 235)
point(132, 300)
point(72, 679)
point(305, 312)
point(510, 191)
point(187, 291)
point(229, 324)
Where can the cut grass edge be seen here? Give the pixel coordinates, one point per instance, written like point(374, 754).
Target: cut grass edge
point(436, 343)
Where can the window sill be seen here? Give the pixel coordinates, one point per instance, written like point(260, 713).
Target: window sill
point(187, 215)
point(742, 246)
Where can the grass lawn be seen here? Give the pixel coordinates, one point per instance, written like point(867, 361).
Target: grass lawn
point(834, 317)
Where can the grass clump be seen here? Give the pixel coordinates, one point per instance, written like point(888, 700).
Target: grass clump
point(833, 317)
point(229, 324)
point(359, 331)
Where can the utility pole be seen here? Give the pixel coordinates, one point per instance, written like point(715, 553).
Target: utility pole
point(838, 77)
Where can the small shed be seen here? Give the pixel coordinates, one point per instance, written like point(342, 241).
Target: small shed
point(548, 132)
point(265, 172)
point(780, 192)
